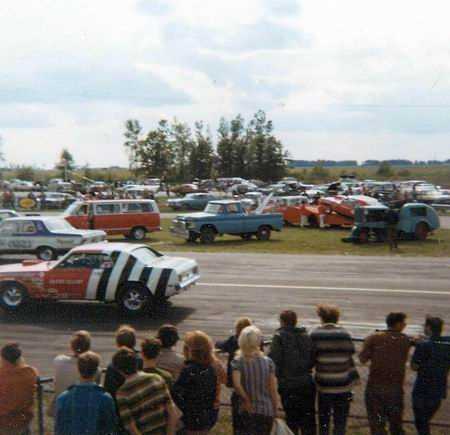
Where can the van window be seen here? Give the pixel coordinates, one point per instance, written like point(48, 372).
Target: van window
point(137, 207)
point(418, 211)
point(107, 209)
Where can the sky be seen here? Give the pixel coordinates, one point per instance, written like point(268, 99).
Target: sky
point(349, 79)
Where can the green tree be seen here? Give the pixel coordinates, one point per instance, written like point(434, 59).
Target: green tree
point(133, 130)
point(26, 173)
point(225, 149)
point(240, 147)
point(385, 170)
point(202, 153)
point(66, 163)
point(181, 137)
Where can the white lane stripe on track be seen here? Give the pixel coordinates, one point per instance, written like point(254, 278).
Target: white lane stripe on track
point(336, 289)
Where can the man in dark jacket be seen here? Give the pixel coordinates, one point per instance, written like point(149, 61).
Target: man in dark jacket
point(293, 353)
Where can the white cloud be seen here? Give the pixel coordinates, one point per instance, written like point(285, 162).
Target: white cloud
point(352, 79)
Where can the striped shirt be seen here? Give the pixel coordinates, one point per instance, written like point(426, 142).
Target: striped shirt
point(142, 399)
point(335, 368)
point(255, 373)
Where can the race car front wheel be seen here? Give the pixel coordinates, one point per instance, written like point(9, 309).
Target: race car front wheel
point(134, 300)
point(12, 296)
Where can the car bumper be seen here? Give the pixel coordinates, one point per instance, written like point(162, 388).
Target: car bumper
point(186, 284)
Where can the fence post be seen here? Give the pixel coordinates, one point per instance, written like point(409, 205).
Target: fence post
point(40, 399)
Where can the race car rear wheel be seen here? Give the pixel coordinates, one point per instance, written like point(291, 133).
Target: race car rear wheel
point(12, 296)
point(46, 253)
point(263, 233)
point(134, 300)
point(138, 233)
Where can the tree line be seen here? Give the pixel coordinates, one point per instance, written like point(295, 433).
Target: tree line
point(173, 150)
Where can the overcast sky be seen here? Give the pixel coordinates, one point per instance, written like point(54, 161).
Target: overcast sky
point(348, 79)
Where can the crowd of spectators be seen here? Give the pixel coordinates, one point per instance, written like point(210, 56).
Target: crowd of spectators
point(306, 377)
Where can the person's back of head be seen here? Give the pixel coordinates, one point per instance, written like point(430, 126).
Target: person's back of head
point(126, 337)
point(240, 324)
point(396, 321)
point(434, 326)
point(125, 361)
point(151, 348)
point(199, 348)
point(250, 342)
point(80, 342)
point(88, 364)
point(288, 319)
point(11, 353)
point(328, 313)
point(168, 335)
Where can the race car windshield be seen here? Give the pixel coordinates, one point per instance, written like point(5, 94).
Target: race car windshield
point(146, 255)
point(58, 225)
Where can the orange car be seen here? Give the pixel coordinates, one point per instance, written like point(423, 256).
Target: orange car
point(132, 218)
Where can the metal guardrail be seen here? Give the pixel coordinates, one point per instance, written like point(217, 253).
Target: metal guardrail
point(42, 381)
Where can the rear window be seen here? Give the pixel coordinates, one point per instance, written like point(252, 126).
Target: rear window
point(146, 255)
point(137, 207)
point(107, 209)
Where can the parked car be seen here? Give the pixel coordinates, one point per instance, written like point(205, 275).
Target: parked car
point(5, 214)
point(415, 221)
point(192, 201)
point(56, 200)
point(21, 185)
point(59, 185)
point(135, 277)
point(133, 218)
point(225, 217)
point(47, 237)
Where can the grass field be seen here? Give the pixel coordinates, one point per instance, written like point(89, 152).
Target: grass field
point(293, 240)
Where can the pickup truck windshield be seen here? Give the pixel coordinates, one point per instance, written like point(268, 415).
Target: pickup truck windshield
point(215, 208)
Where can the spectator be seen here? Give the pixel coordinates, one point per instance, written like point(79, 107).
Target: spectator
point(169, 359)
point(231, 346)
point(86, 408)
point(17, 387)
point(195, 391)
point(151, 347)
point(143, 400)
point(292, 351)
point(255, 382)
point(387, 352)
point(125, 337)
point(431, 360)
point(335, 370)
point(65, 367)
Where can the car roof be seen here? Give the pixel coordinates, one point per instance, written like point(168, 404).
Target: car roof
point(108, 247)
point(224, 202)
point(375, 207)
point(34, 218)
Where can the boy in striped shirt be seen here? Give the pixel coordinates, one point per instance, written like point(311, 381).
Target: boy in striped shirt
point(144, 403)
point(335, 371)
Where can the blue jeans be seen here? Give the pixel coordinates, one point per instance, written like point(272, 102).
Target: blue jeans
point(424, 410)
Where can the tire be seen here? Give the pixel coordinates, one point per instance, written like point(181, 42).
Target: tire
point(246, 236)
point(138, 233)
point(421, 231)
point(46, 253)
point(12, 296)
point(207, 235)
point(263, 233)
point(134, 300)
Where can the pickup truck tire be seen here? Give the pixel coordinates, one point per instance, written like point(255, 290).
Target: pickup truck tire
point(263, 233)
point(134, 300)
point(12, 296)
point(207, 235)
point(46, 253)
point(421, 231)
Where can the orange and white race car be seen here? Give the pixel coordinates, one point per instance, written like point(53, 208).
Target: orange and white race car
point(136, 277)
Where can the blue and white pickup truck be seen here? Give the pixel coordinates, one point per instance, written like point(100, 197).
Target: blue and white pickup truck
point(225, 217)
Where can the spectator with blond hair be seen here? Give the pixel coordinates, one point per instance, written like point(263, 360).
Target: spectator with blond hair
point(195, 391)
point(230, 346)
point(335, 371)
point(255, 382)
point(125, 337)
point(17, 387)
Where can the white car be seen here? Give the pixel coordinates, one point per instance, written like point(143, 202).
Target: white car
point(135, 277)
point(47, 237)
